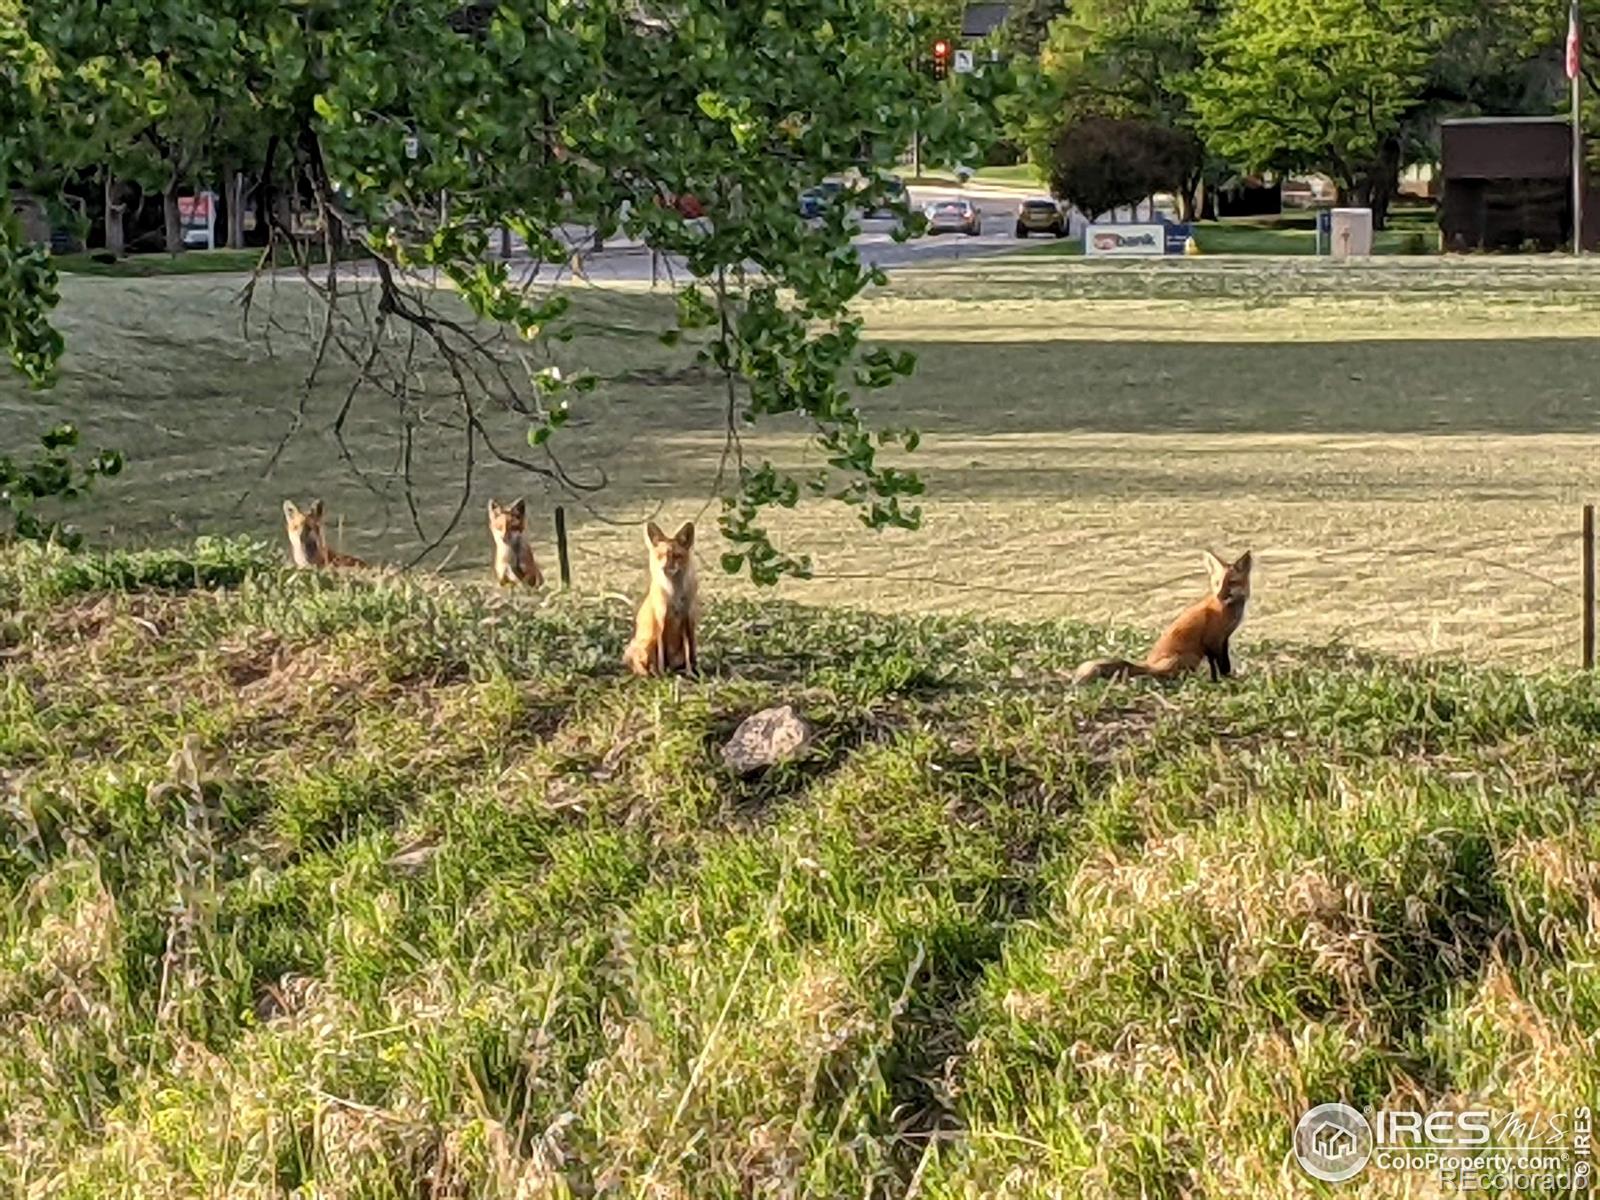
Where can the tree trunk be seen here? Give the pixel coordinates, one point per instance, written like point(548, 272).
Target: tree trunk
point(233, 185)
point(266, 192)
point(172, 220)
point(116, 238)
point(1187, 194)
point(1208, 201)
point(1385, 182)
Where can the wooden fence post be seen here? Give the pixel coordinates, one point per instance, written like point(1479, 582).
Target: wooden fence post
point(1588, 587)
point(561, 547)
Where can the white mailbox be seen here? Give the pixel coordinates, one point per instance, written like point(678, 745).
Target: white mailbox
point(1351, 235)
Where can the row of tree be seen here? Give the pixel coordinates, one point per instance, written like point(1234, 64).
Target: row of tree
point(529, 115)
point(1183, 94)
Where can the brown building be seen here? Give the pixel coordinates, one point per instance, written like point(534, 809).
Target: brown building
point(1508, 185)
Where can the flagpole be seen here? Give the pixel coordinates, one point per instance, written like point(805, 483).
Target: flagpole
point(1574, 50)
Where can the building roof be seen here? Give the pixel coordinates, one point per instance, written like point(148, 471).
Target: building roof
point(980, 20)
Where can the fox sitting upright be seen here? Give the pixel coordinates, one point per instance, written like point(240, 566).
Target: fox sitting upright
point(307, 543)
point(1200, 634)
point(513, 557)
point(664, 634)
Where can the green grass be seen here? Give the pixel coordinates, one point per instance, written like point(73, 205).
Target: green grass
point(378, 886)
point(1022, 176)
point(190, 262)
point(1277, 237)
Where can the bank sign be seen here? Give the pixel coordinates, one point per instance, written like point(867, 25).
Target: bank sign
point(1125, 241)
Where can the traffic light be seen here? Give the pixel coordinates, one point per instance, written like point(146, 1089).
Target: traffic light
point(941, 58)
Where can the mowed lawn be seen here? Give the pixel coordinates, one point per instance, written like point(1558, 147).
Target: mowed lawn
point(1404, 444)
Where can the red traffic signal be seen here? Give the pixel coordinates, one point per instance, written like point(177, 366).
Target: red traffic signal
point(941, 58)
point(941, 49)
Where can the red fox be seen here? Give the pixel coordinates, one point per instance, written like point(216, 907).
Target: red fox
point(664, 634)
point(1200, 633)
point(307, 542)
point(513, 559)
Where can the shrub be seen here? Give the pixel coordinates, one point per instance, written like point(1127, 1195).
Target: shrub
point(1100, 163)
point(53, 473)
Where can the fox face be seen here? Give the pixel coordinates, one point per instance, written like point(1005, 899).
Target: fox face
point(306, 542)
point(1230, 582)
point(671, 560)
point(507, 522)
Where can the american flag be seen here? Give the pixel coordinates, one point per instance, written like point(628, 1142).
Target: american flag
point(1573, 41)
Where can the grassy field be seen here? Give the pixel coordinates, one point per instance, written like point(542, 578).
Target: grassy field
point(380, 887)
point(1403, 443)
point(1411, 231)
point(190, 262)
point(1024, 177)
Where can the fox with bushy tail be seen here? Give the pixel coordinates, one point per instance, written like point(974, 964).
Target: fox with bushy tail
point(1200, 634)
point(664, 632)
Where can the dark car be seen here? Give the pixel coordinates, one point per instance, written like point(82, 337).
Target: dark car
point(894, 192)
point(1041, 215)
point(814, 200)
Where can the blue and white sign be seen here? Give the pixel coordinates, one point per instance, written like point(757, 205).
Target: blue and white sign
point(1114, 239)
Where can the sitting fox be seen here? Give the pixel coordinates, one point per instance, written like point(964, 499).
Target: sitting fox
point(664, 634)
point(513, 558)
point(307, 543)
point(1200, 633)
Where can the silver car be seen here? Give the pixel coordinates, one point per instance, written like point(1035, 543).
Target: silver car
point(954, 216)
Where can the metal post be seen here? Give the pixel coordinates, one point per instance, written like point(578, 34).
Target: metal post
point(561, 547)
point(1574, 69)
point(1588, 587)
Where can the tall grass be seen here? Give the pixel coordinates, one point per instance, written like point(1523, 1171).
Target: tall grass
point(364, 886)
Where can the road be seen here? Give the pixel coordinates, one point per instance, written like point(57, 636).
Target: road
point(625, 261)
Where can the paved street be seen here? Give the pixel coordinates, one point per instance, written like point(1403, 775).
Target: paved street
point(625, 261)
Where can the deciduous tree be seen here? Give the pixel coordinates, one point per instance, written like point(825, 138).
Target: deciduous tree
point(542, 116)
point(1132, 60)
point(1327, 87)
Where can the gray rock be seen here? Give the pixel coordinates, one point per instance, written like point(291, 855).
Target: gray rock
point(763, 739)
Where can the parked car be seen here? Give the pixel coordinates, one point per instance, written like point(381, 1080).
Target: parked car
point(1041, 215)
point(814, 200)
point(894, 192)
point(954, 216)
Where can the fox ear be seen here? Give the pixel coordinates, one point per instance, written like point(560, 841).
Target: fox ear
point(1215, 568)
point(685, 535)
point(494, 507)
point(1242, 563)
point(653, 534)
point(290, 512)
point(518, 507)
point(316, 510)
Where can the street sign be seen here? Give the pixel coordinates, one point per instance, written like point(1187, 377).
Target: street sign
point(963, 62)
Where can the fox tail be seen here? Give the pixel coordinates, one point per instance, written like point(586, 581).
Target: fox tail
point(1116, 668)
